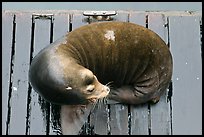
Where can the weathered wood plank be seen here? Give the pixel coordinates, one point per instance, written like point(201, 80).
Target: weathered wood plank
point(76, 21)
point(41, 39)
point(119, 119)
point(20, 74)
point(61, 27)
point(160, 112)
point(118, 112)
point(7, 29)
point(99, 120)
point(139, 119)
point(139, 113)
point(185, 46)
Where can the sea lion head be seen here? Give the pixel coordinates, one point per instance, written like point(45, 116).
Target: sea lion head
point(86, 85)
point(60, 84)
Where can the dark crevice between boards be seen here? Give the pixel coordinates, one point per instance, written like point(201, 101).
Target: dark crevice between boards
point(129, 120)
point(70, 22)
point(129, 106)
point(167, 26)
point(29, 86)
point(109, 118)
point(170, 88)
point(128, 17)
point(149, 105)
point(11, 74)
point(170, 102)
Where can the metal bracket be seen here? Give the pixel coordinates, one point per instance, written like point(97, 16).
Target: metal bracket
point(99, 15)
point(43, 16)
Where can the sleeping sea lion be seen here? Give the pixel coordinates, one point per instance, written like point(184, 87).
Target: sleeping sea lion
point(76, 69)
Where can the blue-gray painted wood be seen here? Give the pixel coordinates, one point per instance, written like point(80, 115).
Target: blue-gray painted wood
point(185, 44)
point(139, 120)
point(139, 113)
point(41, 39)
point(20, 74)
point(99, 119)
point(119, 119)
point(160, 112)
point(61, 25)
point(7, 27)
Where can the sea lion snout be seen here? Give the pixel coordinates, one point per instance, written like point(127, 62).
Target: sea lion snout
point(107, 89)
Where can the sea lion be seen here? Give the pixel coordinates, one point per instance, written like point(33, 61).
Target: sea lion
point(76, 69)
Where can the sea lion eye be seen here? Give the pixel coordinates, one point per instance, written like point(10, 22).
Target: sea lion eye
point(90, 88)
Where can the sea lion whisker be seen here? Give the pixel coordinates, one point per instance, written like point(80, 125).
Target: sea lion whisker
point(99, 104)
point(109, 84)
point(94, 105)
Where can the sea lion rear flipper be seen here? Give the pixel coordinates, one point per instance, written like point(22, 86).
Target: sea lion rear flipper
point(73, 117)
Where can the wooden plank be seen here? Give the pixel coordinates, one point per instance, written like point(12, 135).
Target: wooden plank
point(139, 114)
point(160, 112)
point(61, 27)
point(139, 119)
point(185, 46)
point(41, 39)
point(99, 118)
point(118, 121)
point(76, 21)
point(20, 74)
point(7, 29)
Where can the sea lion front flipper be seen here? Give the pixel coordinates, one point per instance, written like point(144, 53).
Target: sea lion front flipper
point(131, 95)
point(73, 118)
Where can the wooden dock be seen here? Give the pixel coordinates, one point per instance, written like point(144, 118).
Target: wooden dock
point(25, 33)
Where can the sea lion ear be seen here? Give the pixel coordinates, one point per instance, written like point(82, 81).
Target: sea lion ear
point(69, 88)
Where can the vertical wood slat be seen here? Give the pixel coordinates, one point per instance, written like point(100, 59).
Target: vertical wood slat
point(61, 27)
point(7, 27)
point(160, 112)
point(185, 46)
point(76, 22)
point(100, 116)
point(118, 112)
point(139, 113)
point(20, 74)
point(41, 39)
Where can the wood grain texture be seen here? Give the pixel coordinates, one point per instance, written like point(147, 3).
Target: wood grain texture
point(118, 112)
point(139, 113)
point(7, 29)
point(185, 46)
point(41, 39)
point(20, 74)
point(160, 112)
